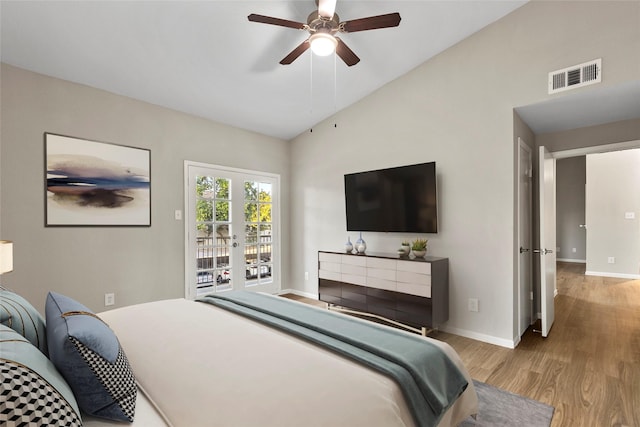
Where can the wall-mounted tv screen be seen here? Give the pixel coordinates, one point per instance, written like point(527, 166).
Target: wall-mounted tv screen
point(400, 199)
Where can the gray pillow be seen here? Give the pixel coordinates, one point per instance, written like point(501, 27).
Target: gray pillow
point(18, 314)
point(33, 391)
point(87, 353)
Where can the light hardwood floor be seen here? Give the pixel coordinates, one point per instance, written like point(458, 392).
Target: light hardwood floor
point(589, 366)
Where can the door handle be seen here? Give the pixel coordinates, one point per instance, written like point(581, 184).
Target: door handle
point(235, 244)
point(542, 251)
point(523, 250)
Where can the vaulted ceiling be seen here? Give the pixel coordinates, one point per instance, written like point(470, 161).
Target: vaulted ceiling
point(205, 58)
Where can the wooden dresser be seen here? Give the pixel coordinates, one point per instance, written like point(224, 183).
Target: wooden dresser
point(412, 292)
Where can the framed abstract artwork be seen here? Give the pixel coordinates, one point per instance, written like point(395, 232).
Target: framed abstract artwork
point(90, 183)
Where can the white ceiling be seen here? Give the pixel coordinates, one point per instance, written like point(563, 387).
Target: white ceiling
point(583, 108)
point(205, 58)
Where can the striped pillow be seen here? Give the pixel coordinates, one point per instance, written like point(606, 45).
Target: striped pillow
point(18, 314)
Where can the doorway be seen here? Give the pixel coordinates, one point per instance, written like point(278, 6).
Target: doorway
point(232, 230)
point(598, 226)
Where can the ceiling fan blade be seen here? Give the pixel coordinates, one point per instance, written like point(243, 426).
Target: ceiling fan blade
point(295, 53)
point(276, 21)
point(346, 54)
point(326, 8)
point(371, 23)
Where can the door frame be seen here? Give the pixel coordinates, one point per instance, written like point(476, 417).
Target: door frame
point(522, 145)
point(277, 239)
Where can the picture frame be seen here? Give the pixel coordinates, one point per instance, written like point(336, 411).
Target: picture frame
point(96, 184)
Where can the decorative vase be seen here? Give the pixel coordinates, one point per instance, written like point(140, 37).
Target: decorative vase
point(348, 247)
point(419, 254)
point(406, 249)
point(361, 245)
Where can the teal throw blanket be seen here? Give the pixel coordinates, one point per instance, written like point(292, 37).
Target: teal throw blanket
point(429, 380)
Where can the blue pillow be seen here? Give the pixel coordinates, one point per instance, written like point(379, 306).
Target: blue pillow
point(33, 391)
point(87, 353)
point(18, 314)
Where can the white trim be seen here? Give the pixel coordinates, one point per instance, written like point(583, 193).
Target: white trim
point(230, 169)
point(185, 211)
point(577, 261)
point(615, 275)
point(479, 337)
point(618, 146)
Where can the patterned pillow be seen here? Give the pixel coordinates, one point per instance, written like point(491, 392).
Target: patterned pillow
point(87, 353)
point(18, 314)
point(33, 391)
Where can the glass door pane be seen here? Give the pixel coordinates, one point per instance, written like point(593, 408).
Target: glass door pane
point(258, 202)
point(213, 234)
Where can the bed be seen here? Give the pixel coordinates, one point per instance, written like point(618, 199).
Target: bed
point(197, 364)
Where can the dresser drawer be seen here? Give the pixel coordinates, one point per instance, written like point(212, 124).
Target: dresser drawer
point(374, 282)
point(330, 266)
point(381, 263)
point(414, 278)
point(354, 279)
point(324, 256)
point(415, 267)
point(329, 275)
point(381, 274)
point(354, 270)
point(412, 289)
point(354, 260)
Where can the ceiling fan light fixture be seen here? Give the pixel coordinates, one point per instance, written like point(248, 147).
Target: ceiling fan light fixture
point(323, 44)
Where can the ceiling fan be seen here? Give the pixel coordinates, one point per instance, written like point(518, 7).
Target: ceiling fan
point(322, 26)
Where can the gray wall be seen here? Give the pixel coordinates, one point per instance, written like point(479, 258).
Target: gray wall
point(613, 186)
point(570, 209)
point(138, 264)
point(457, 110)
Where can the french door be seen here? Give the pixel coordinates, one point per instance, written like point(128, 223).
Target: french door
point(232, 229)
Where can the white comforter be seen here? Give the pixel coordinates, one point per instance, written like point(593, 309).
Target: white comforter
point(199, 365)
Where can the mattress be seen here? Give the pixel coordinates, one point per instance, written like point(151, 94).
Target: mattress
point(200, 365)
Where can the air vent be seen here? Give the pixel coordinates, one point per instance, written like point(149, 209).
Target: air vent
point(576, 76)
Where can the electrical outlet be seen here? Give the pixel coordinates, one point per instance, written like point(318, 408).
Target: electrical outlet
point(306, 275)
point(177, 214)
point(573, 250)
point(473, 304)
point(109, 299)
point(611, 260)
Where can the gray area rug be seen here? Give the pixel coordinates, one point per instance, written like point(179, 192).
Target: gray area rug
point(498, 408)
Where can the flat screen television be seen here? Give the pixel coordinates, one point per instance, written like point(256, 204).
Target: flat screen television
point(400, 199)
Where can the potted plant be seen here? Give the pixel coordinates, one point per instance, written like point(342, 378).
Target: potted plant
point(419, 247)
point(405, 248)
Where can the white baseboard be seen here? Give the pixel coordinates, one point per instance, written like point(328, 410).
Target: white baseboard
point(577, 261)
point(299, 293)
point(479, 337)
point(616, 275)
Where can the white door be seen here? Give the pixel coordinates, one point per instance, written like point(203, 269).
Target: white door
point(525, 294)
point(547, 202)
point(232, 230)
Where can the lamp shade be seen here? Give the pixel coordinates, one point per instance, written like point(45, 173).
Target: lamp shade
point(6, 256)
point(323, 44)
